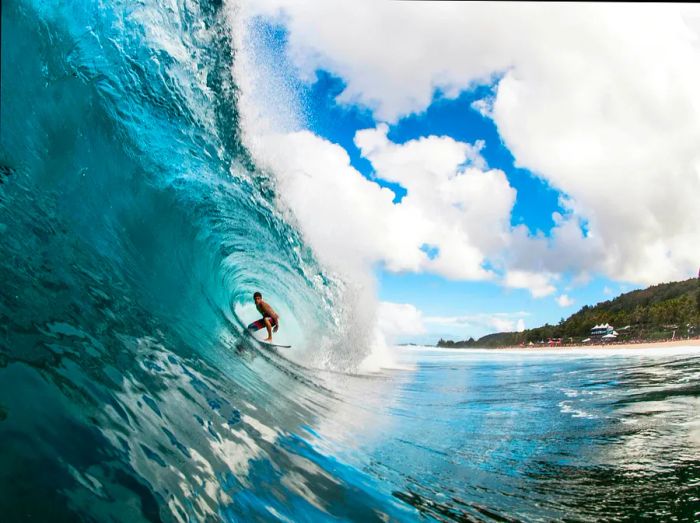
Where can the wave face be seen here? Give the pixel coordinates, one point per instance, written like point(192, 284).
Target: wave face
point(134, 230)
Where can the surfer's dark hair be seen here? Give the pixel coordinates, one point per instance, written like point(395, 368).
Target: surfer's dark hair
point(256, 294)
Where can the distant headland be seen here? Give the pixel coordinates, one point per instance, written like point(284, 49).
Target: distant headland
point(663, 312)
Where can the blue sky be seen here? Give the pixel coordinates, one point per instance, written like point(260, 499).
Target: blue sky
point(535, 203)
point(577, 247)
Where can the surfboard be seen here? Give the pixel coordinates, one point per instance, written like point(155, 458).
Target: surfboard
point(261, 342)
point(275, 344)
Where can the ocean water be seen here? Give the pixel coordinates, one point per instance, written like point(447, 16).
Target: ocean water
point(134, 227)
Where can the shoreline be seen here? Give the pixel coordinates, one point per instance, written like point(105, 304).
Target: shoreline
point(692, 342)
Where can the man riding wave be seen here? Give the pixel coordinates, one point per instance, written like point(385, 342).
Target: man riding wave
point(270, 320)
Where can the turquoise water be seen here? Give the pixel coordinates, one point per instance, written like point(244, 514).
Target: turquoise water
point(135, 227)
point(586, 436)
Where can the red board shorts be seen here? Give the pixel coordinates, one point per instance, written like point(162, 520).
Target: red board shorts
point(260, 324)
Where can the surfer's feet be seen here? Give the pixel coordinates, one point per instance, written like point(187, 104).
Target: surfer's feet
point(267, 339)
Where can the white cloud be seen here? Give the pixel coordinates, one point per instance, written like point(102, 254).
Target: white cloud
point(400, 320)
point(538, 283)
point(477, 325)
point(353, 223)
point(405, 322)
point(446, 197)
point(565, 301)
point(600, 100)
point(616, 139)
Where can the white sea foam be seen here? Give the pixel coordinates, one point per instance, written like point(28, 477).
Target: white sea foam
point(566, 407)
point(269, 106)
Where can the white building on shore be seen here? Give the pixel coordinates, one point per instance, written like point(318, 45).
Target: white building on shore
point(604, 329)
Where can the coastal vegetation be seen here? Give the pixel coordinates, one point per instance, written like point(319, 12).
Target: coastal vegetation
point(656, 313)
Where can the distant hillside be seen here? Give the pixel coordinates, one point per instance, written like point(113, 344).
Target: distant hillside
point(651, 314)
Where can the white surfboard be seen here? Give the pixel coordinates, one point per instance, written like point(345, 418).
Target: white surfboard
point(261, 342)
point(275, 344)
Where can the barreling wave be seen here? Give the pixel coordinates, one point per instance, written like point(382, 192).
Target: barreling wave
point(135, 228)
point(121, 133)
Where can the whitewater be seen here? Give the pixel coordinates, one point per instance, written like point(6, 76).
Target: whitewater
point(135, 225)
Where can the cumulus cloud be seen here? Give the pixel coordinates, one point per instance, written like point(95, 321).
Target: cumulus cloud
point(538, 283)
point(445, 182)
point(353, 223)
point(477, 325)
point(597, 99)
point(564, 301)
point(400, 320)
point(404, 321)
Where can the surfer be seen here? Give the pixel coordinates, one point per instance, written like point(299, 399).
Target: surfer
point(270, 319)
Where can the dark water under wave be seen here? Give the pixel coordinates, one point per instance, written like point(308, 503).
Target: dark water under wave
point(133, 225)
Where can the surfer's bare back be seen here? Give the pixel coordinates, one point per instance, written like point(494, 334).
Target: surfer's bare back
point(270, 319)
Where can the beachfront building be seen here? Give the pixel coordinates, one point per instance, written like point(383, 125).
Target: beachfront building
point(604, 329)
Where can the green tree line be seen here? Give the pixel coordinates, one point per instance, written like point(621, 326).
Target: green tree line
point(647, 314)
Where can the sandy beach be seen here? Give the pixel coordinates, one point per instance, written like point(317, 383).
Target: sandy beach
point(692, 342)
